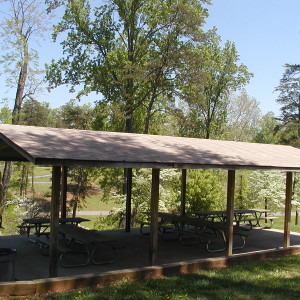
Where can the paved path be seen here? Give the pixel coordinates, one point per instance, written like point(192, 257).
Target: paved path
point(93, 213)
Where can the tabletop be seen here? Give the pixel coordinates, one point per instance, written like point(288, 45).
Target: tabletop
point(38, 221)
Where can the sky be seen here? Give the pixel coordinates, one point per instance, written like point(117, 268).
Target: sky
point(266, 34)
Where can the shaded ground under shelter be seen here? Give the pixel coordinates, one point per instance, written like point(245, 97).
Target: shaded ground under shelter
point(61, 148)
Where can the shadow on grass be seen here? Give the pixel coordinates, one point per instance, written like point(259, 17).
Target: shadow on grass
point(268, 280)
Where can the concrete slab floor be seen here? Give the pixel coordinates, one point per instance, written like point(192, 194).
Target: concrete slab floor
point(31, 264)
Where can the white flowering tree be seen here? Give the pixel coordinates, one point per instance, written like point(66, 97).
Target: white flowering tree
point(267, 188)
point(296, 195)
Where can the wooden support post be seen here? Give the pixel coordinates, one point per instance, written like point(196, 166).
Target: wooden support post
point(54, 221)
point(287, 214)
point(64, 190)
point(183, 192)
point(154, 216)
point(128, 199)
point(229, 214)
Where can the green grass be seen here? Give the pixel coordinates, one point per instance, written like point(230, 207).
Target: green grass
point(94, 203)
point(269, 280)
point(279, 224)
point(89, 224)
point(40, 171)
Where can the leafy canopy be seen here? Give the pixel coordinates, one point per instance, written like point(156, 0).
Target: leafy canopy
point(127, 51)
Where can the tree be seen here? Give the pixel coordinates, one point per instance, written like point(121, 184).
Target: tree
point(269, 130)
point(125, 50)
point(75, 116)
point(206, 80)
point(141, 194)
point(205, 190)
point(5, 115)
point(266, 188)
point(242, 118)
point(81, 186)
point(289, 98)
point(241, 198)
point(35, 113)
point(23, 22)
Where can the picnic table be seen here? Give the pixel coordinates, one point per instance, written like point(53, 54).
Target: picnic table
point(40, 225)
point(250, 217)
point(194, 230)
point(78, 240)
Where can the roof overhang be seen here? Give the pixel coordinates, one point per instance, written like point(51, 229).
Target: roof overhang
point(67, 147)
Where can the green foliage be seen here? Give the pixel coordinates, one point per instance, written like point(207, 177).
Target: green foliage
point(35, 113)
point(209, 74)
point(289, 97)
point(242, 190)
point(141, 194)
point(22, 26)
point(80, 185)
point(75, 116)
point(242, 118)
point(18, 208)
point(11, 218)
point(268, 130)
point(206, 190)
point(5, 115)
point(127, 51)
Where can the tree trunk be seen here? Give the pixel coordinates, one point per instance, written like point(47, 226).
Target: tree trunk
point(149, 111)
point(21, 84)
point(4, 187)
point(15, 120)
point(75, 206)
point(129, 126)
point(24, 179)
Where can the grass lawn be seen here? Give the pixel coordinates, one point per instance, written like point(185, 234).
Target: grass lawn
point(40, 171)
point(269, 280)
point(279, 224)
point(89, 224)
point(94, 203)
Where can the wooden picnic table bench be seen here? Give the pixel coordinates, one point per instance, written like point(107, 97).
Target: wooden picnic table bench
point(66, 252)
point(75, 241)
point(250, 217)
point(163, 228)
point(203, 231)
point(40, 225)
point(92, 240)
point(256, 221)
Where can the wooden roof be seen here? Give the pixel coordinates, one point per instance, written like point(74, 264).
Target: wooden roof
point(56, 146)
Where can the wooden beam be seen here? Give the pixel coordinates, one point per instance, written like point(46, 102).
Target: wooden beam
point(229, 215)
point(287, 214)
point(183, 191)
point(64, 190)
point(54, 221)
point(128, 199)
point(154, 216)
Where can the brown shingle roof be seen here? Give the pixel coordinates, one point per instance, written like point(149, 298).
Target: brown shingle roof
point(56, 146)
